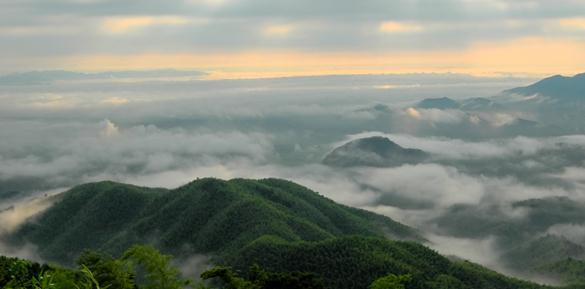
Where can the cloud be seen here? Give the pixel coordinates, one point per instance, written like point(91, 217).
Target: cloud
point(482, 251)
point(193, 266)
point(53, 76)
point(453, 30)
point(431, 183)
point(572, 232)
point(573, 23)
point(14, 215)
point(170, 132)
point(450, 148)
point(117, 25)
point(84, 152)
point(109, 129)
point(436, 115)
point(278, 30)
point(398, 27)
point(116, 100)
point(413, 112)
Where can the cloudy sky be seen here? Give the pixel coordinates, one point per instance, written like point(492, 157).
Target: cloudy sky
point(258, 38)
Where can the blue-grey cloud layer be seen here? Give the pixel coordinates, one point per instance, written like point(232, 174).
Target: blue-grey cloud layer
point(44, 29)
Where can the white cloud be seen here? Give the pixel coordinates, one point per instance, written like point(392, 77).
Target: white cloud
point(432, 183)
point(109, 129)
point(433, 115)
point(448, 148)
point(115, 100)
point(572, 232)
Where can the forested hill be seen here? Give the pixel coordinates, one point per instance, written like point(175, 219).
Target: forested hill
point(208, 216)
point(280, 226)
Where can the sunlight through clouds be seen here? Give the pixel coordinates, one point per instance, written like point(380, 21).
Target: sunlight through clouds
point(278, 30)
point(573, 23)
point(118, 25)
point(399, 27)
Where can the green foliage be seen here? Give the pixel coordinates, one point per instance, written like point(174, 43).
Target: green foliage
point(88, 280)
point(207, 216)
point(229, 278)
point(107, 270)
point(16, 273)
point(159, 273)
point(97, 271)
point(356, 262)
point(570, 271)
point(298, 238)
point(261, 279)
point(45, 281)
point(390, 282)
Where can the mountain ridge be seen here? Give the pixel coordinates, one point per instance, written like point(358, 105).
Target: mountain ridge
point(557, 87)
point(208, 216)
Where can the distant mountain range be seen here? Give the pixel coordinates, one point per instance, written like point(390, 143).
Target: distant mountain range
point(556, 87)
point(439, 103)
point(550, 107)
point(470, 104)
point(51, 76)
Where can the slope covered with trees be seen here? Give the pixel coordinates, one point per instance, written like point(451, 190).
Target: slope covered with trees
point(207, 216)
point(351, 262)
point(264, 233)
point(395, 265)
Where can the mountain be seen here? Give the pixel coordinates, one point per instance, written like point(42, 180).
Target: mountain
point(276, 224)
point(543, 251)
point(526, 244)
point(479, 104)
point(52, 76)
point(438, 103)
point(373, 151)
point(338, 263)
point(470, 221)
point(568, 271)
point(557, 102)
point(8, 194)
point(352, 262)
point(206, 216)
point(556, 87)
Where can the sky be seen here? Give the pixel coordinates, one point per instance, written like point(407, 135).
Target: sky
point(267, 38)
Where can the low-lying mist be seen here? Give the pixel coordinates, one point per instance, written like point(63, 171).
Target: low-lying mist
point(56, 136)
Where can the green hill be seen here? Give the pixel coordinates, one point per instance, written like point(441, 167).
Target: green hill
point(569, 271)
point(278, 225)
point(345, 262)
point(207, 216)
point(351, 262)
point(542, 251)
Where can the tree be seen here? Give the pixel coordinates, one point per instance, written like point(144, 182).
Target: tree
point(260, 279)
point(390, 282)
point(107, 270)
point(229, 278)
point(158, 272)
